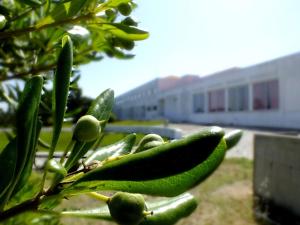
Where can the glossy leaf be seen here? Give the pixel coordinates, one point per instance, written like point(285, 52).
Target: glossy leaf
point(169, 211)
point(30, 159)
point(8, 160)
point(165, 212)
point(26, 122)
point(232, 138)
point(126, 32)
point(119, 148)
point(102, 106)
point(167, 170)
point(61, 84)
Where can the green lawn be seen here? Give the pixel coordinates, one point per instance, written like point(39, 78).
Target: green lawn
point(66, 136)
point(139, 122)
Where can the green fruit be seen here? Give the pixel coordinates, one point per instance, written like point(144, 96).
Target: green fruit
point(126, 208)
point(149, 141)
point(87, 129)
point(124, 9)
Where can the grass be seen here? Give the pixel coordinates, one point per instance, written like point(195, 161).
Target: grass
point(65, 137)
point(139, 122)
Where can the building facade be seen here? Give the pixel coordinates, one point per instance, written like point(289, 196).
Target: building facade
point(262, 95)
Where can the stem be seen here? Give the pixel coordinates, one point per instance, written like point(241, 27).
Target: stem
point(98, 196)
point(23, 207)
point(71, 143)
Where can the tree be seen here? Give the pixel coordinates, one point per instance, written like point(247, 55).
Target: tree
point(31, 30)
point(154, 167)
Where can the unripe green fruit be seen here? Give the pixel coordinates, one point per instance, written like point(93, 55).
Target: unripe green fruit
point(124, 9)
point(149, 141)
point(87, 129)
point(126, 208)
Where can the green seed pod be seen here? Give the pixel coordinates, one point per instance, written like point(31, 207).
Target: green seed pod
point(87, 129)
point(126, 208)
point(149, 141)
point(2, 21)
point(124, 9)
point(128, 21)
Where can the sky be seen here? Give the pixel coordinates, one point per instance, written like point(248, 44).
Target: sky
point(199, 37)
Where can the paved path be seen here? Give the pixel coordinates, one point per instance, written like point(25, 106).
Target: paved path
point(245, 146)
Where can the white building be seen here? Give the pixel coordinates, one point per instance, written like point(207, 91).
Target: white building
point(264, 95)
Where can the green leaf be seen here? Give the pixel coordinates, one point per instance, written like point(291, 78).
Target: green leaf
point(169, 211)
point(26, 122)
point(62, 11)
point(61, 84)
point(30, 159)
point(101, 107)
point(115, 3)
point(166, 170)
point(232, 138)
point(165, 212)
point(32, 3)
point(78, 151)
point(119, 148)
point(8, 160)
point(125, 32)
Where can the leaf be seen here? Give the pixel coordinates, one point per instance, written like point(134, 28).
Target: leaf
point(126, 32)
point(61, 84)
point(232, 138)
point(26, 119)
point(169, 211)
point(119, 148)
point(8, 160)
point(101, 107)
point(166, 170)
point(115, 3)
point(165, 212)
point(62, 11)
point(32, 3)
point(30, 159)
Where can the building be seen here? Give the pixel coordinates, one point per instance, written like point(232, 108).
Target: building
point(263, 95)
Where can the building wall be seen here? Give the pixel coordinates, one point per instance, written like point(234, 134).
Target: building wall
point(280, 76)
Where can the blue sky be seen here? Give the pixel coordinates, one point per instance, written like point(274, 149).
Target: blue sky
point(199, 37)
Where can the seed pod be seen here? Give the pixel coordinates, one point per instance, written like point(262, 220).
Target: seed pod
point(126, 208)
point(87, 129)
point(149, 141)
point(124, 9)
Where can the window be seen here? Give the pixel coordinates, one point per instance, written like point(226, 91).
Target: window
point(198, 103)
point(266, 95)
point(238, 98)
point(216, 100)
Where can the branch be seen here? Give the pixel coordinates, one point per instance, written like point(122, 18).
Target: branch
point(23, 207)
point(33, 71)
point(16, 33)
